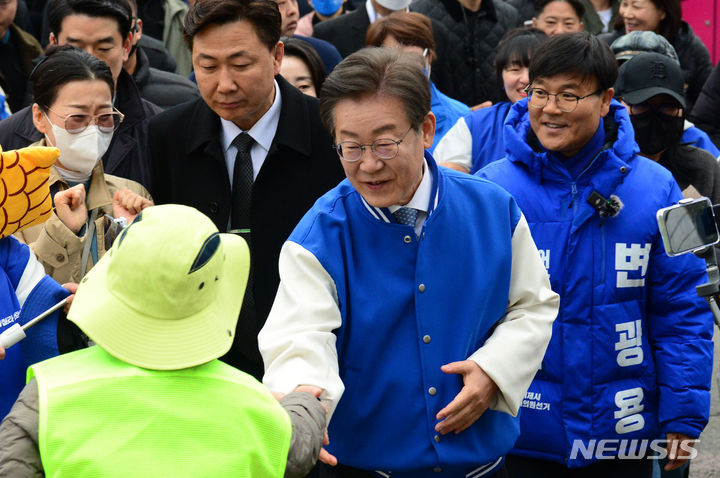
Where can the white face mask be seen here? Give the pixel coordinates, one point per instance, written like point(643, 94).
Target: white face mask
point(394, 4)
point(79, 153)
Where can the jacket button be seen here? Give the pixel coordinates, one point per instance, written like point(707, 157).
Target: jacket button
point(437, 438)
point(432, 391)
point(213, 207)
point(426, 339)
point(623, 169)
point(407, 239)
point(60, 258)
point(421, 287)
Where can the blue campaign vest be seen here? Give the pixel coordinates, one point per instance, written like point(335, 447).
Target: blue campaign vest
point(447, 112)
point(486, 130)
point(620, 364)
point(450, 284)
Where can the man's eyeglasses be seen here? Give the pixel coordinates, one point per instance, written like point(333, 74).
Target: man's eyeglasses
point(667, 109)
point(566, 102)
point(77, 123)
point(382, 148)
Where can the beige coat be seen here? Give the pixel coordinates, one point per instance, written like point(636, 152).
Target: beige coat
point(57, 247)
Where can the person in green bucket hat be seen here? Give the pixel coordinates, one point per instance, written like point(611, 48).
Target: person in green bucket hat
point(151, 398)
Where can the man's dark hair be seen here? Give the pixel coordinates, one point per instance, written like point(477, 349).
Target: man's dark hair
point(575, 54)
point(119, 10)
point(262, 14)
point(575, 4)
point(377, 71)
point(303, 51)
point(61, 65)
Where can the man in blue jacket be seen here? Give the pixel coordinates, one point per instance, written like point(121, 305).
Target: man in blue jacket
point(412, 296)
point(630, 359)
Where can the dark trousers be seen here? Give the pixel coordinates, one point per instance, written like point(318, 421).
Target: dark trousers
point(322, 470)
point(522, 467)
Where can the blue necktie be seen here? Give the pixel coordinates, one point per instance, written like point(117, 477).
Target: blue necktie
point(406, 216)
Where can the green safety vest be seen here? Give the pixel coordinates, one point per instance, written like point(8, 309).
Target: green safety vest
point(101, 417)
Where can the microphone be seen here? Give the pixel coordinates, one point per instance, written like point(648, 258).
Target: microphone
point(605, 207)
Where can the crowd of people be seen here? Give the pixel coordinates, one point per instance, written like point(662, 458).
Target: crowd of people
point(352, 238)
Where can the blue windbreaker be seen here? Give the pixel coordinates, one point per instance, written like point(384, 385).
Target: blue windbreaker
point(631, 351)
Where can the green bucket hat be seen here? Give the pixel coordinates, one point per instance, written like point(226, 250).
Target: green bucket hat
point(167, 295)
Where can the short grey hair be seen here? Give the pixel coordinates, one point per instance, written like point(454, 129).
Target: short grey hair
point(377, 71)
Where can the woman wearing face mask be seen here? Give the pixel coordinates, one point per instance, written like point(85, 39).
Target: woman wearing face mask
point(656, 105)
point(413, 33)
point(477, 138)
point(664, 17)
point(73, 108)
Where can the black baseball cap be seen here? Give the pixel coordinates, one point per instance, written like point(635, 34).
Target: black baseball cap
point(647, 75)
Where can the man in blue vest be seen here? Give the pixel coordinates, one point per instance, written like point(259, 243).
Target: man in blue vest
point(412, 297)
point(630, 359)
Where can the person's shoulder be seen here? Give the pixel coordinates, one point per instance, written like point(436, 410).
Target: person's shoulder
point(337, 24)
point(163, 78)
point(183, 114)
point(456, 179)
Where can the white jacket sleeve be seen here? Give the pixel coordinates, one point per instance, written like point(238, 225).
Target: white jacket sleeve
point(456, 146)
point(297, 342)
point(513, 353)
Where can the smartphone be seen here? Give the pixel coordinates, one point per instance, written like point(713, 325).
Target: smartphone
point(688, 226)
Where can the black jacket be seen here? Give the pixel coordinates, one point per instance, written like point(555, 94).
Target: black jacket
point(706, 113)
point(127, 155)
point(189, 168)
point(691, 166)
point(693, 55)
point(472, 41)
point(158, 56)
point(162, 88)
point(346, 32)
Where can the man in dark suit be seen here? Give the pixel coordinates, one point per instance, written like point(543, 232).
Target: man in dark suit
point(251, 154)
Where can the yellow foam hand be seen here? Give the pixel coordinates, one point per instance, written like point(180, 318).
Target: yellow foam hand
point(24, 187)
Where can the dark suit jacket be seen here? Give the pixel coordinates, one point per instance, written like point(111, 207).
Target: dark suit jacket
point(189, 164)
point(346, 32)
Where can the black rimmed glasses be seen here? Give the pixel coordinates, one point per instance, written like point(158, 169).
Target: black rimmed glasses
point(78, 122)
point(566, 102)
point(382, 148)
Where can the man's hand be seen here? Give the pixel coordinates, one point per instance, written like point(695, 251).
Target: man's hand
point(678, 456)
point(70, 207)
point(72, 288)
point(472, 401)
point(324, 456)
point(484, 104)
point(128, 204)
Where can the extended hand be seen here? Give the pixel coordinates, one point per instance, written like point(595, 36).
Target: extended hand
point(128, 204)
point(678, 458)
point(70, 207)
point(472, 401)
point(324, 456)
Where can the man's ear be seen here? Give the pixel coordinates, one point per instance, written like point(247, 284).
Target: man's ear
point(278, 54)
point(138, 28)
point(428, 130)
point(606, 96)
point(127, 46)
point(52, 39)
